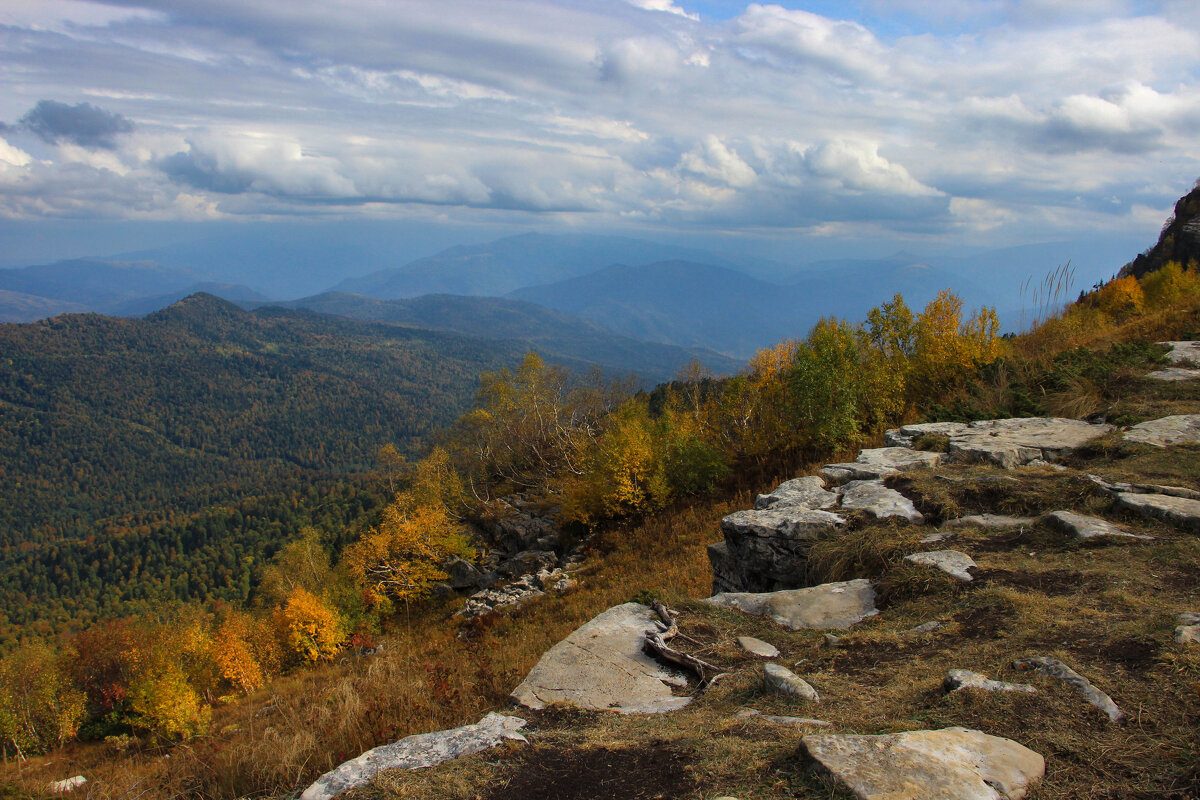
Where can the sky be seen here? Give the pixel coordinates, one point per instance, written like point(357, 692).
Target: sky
point(868, 124)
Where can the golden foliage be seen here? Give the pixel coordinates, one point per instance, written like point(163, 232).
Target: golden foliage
point(311, 629)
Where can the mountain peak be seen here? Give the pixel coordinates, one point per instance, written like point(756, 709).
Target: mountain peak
point(200, 306)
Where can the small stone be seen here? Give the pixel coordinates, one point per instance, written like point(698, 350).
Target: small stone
point(67, 784)
point(1167, 431)
point(952, 562)
point(935, 538)
point(758, 647)
point(949, 764)
point(830, 605)
point(782, 680)
point(1054, 668)
point(878, 500)
point(990, 521)
point(754, 713)
point(1181, 511)
point(1188, 631)
point(1084, 528)
point(957, 679)
point(832, 641)
point(929, 627)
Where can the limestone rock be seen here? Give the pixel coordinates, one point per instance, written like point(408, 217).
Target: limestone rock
point(782, 680)
point(515, 593)
point(1188, 631)
point(957, 679)
point(1013, 442)
point(601, 666)
point(807, 492)
point(1054, 668)
point(1185, 354)
point(880, 501)
point(929, 627)
point(953, 763)
point(904, 436)
point(990, 521)
point(952, 562)
point(767, 549)
point(1167, 431)
point(465, 575)
point(831, 605)
point(754, 713)
point(758, 647)
point(415, 752)
point(67, 784)
point(1144, 488)
point(1181, 511)
point(880, 462)
point(1174, 374)
point(1090, 527)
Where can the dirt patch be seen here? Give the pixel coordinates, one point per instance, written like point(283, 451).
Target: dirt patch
point(655, 771)
point(1135, 653)
point(1052, 582)
point(984, 622)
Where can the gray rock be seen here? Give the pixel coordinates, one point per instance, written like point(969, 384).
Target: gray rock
point(1082, 527)
point(758, 647)
point(782, 680)
point(878, 500)
point(601, 666)
point(416, 752)
point(990, 521)
point(67, 784)
point(1181, 511)
point(952, 562)
point(935, 538)
point(1188, 631)
point(768, 549)
point(1011, 443)
point(1167, 431)
point(1186, 354)
point(515, 593)
point(527, 562)
point(754, 713)
point(1054, 668)
point(880, 462)
point(1144, 488)
point(949, 764)
point(904, 436)
point(957, 679)
point(1174, 374)
point(807, 492)
point(929, 627)
point(831, 605)
point(463, 574)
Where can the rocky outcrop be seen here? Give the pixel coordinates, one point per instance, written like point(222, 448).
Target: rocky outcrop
point(951, 562)
point(880, 462)
point(1056, 669)
point(1010, 443)
point(1180, 511)
point(954, 763)
point(806, 492)
point(416, 752)
point(601, 666)
point(1167, 431)
point(831, 605)
point(768, 549)
point(879, 501)
point(511, 594)
point(1084, 528)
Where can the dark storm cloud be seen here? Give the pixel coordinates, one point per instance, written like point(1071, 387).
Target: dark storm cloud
point(83, 124)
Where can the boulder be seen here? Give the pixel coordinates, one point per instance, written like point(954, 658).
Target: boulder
point(765, 550)
point(527, 562)
point(416, 752)
point(948, 764)
point(880, 462)
point(957, 679)
point(952, 562)
point(878, 500)
point(601, 666)
point(1084, 528)
point(1167, 431)
point(757, 647)
point(782, 680)
point(1188, 631)
point(831, 605)
point(807, 492)
point(1011, 443)
point(465, 575)
point(1180, 511)
point(1054, 668)
point(905, 435)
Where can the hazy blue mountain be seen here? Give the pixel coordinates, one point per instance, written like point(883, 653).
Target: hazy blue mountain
point(502, 266)
point(20, 307)
point(96, 284)
point(550, 332)
point(701, 305)
point(140, 306)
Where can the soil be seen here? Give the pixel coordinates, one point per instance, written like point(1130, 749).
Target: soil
point(656, 771)
point(1052, 582)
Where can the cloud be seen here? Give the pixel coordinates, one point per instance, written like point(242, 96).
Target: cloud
point(804, 39)
point(663, 5)
point(83, 124)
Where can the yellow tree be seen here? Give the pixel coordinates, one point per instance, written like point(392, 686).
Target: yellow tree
point(39, 706)
point(242, 651)
point(311, 629)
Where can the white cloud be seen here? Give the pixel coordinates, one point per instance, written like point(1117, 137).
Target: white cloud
point(662, 5)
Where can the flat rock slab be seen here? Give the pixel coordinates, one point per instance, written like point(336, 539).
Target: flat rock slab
point(782, 522)
point(601, 666)
point(878, 500)
point(782, 680)
point(1183, 353)
point(952, 562)
point(1181, 511)
point(957, 679)
point(757, 647)
point(1167, 431)
point(754, 713)
point(949, 764)
point(904, 436)
point(1054, 668)
point(1174, 374)
point(416, 752)
point(806, 492)
point(767, 549)
point(1012, 443)
point(1084, 528)
point(990, 521)
point(880, 462)
point(831, 605)
point(1144, 488)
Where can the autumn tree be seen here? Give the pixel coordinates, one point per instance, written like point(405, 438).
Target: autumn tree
point(310, 628)
point(39, 706)
point(1170, 283)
